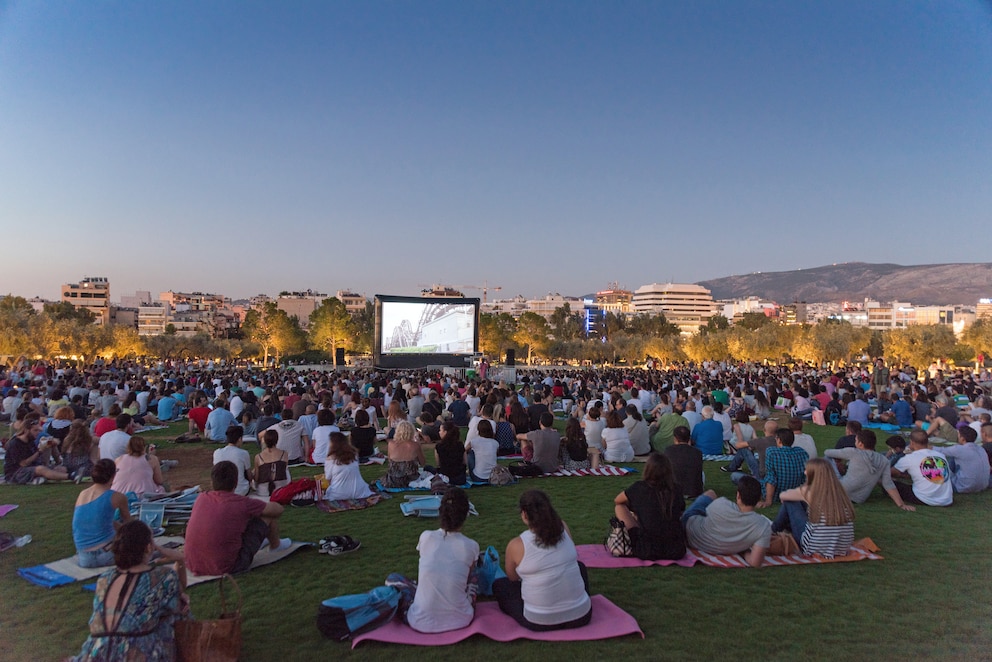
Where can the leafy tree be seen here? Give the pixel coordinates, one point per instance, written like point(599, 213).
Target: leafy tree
point(532, 332)
point(715, 323)
point(752, 321)
point(666, 348)
point(14, 303)
point(331, 326)
point(612, 324)
point(839, 341)
point(979, 336)
point(707, 345)
point(363, 324)
point(496, 333)
point(125, 342)
point(920, 344)
point(565, 324)
point(651, 326)
point(63, 310)
point(267, 327)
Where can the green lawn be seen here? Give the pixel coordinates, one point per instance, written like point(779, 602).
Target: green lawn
point(929, 598)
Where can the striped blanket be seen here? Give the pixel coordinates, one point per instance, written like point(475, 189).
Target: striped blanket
point(604, 470)
point(596, 556)
point(861, 550)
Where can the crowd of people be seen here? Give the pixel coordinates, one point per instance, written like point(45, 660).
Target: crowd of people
point(671, 419)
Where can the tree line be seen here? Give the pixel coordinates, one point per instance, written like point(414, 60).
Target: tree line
point(270, 333)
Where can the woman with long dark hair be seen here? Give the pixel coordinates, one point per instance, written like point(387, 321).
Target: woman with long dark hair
point(546, 587)
point(447, 563)
point(651, 510)
point(136, 603)
point(344, 480)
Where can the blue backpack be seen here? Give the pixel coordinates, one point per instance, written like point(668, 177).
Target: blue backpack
point(342, 617)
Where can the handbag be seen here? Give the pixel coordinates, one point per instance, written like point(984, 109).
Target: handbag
point(212, 640)
point(783, 544)
point(618, 541)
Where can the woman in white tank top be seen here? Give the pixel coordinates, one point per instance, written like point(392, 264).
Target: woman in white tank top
point(546, 588)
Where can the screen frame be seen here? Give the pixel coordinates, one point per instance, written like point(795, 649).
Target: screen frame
point(418, 359)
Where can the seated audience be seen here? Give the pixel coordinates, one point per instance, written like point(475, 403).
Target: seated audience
point(449, 454)
point(234, 453)
point(93, 524)
point(363, 436)
point(406, 457)
point(928, 470)
point(651, 510)
point(865, 470)
point(341, 471)
point(818, 514)
point(546, 587)
point(718, 526)
point(574, 451)
point(137, 603)
point(616, 440)
point(79, 451)
point(27, 459)
point(480, 453)
point(271, 465)
point(707, 436)
point(225, 529)
point(138, 471)
point(443, 600)
point(969, 463)
point(687, 463)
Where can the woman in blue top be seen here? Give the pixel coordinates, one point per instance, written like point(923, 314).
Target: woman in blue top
point(93, 524)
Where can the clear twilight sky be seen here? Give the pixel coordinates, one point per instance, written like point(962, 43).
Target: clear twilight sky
point(252, 147)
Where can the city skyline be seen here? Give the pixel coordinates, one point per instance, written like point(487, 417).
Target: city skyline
point(246, 148)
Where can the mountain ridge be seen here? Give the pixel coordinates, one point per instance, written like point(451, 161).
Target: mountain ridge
point(927, 284)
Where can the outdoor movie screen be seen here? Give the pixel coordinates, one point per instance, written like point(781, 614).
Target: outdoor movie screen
point(427, 326)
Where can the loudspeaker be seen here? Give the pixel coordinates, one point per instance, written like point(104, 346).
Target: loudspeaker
point(339, 356)
point(511, 357)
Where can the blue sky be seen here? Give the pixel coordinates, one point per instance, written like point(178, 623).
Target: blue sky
point(246, 147)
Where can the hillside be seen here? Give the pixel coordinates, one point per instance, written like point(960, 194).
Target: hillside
point(929, 284)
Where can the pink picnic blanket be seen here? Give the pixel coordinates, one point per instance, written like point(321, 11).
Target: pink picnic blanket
point(608, 621)
point(596, 556)
point(604, 470)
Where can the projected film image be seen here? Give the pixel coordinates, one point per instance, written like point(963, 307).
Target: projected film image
point(427, 328)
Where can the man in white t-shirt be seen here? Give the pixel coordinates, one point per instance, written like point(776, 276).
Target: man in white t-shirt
point(803, 440)
point(113, 444)
point(236, 455)
point(929, 470)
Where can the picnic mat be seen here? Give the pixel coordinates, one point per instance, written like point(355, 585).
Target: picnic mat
point(340, 505)
point(596, 556)
point(6, 509)
point(67, 571)
point(718, 458)
point(379, 487)
point(608, 621)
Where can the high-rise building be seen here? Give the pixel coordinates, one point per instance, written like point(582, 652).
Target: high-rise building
point(685, 305)
point(93, 294)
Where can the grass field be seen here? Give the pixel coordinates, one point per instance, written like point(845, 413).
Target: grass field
point(930, 598)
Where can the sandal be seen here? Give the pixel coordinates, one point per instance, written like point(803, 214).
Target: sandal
point(337, 545)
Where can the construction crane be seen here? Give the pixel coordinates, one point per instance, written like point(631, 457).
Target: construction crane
point(485, 287)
